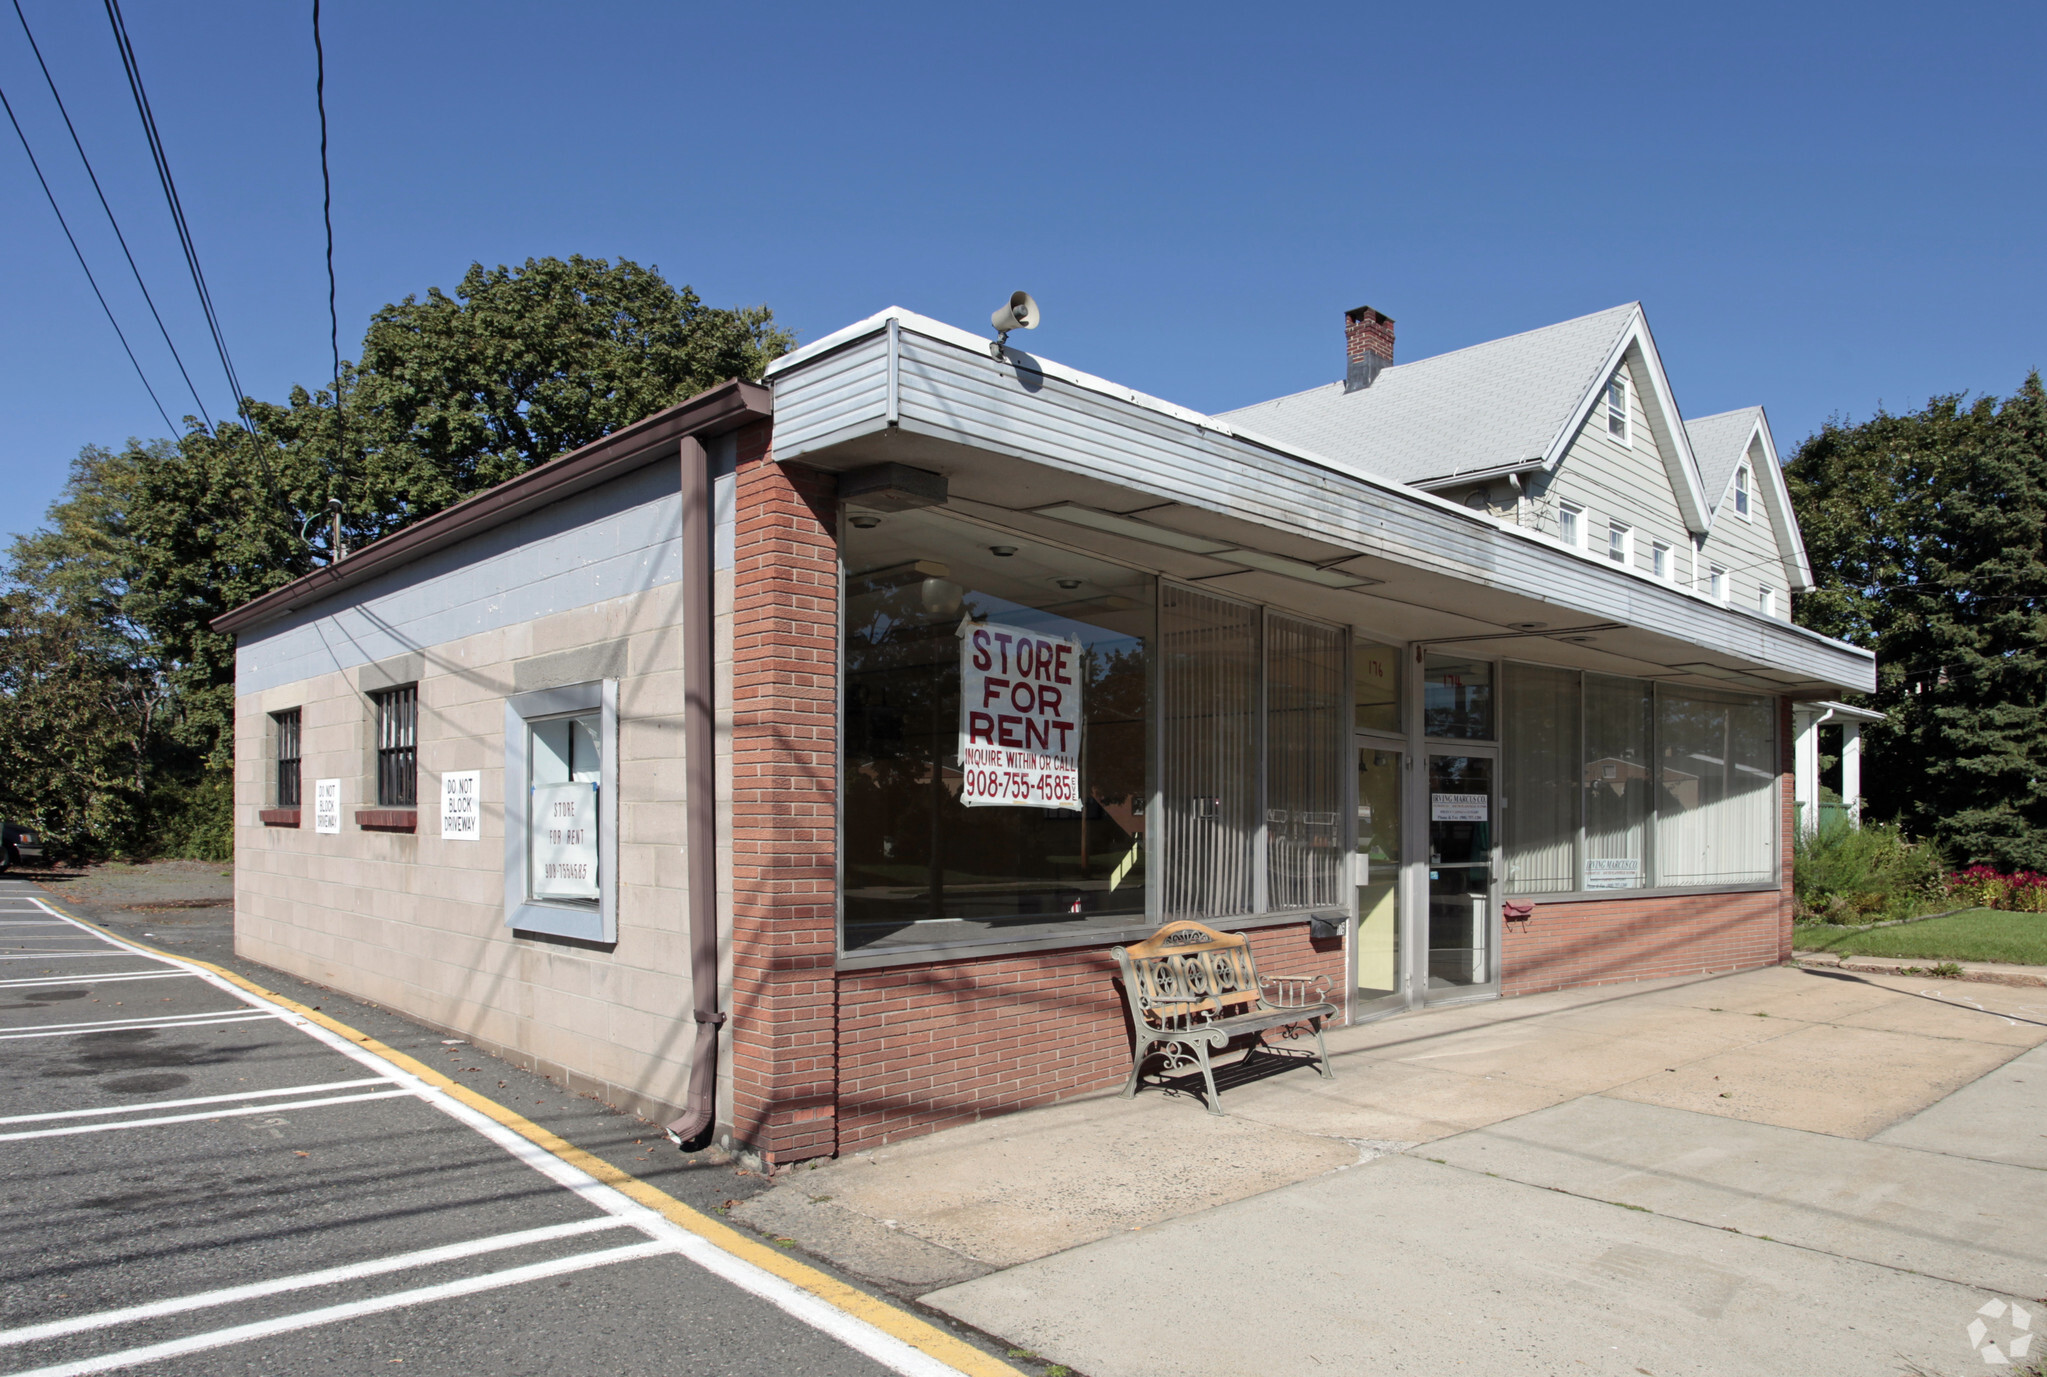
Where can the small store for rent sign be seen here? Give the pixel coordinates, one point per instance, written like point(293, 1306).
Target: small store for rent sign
point(1019, 717)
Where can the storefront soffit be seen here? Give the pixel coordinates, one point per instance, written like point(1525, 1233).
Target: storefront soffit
point(945, 422)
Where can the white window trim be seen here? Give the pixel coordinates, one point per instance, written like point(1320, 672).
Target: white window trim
point(1626, 435)
point(1668, 573)
point(1627, 532)
point(1721, 595)
point(1745, 491)
point(585, 922)
point(1575, 542)
point(1766, 600)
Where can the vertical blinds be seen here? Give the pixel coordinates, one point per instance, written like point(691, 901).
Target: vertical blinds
point(1208, 701)
point(1304, 725)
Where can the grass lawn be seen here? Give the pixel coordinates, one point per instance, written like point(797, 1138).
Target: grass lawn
point(1981, 934)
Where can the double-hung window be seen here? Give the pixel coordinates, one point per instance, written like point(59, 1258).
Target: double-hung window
point(1716, 583)
point(1617, 410)
point(1660, 563)
point(1741, 490)
point(1571, 525)
point(1620, 543)
point(285, 731)
point(398, 747)
point(1766, 601)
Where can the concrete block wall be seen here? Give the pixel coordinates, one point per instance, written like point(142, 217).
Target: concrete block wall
point(416, 923)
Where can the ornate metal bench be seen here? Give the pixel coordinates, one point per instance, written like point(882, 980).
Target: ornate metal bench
point(1193, 989)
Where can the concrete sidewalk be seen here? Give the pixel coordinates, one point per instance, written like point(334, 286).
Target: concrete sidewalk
point(1783, 1171)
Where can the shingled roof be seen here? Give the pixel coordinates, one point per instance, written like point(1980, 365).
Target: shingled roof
point(1471, 410)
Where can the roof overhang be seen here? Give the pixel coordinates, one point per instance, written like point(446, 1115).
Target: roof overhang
point(713, 412)
point(1017, 436)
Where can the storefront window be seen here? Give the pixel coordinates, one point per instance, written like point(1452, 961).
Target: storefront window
point(1375, 671)
point(1015, 809)
point(1457, 697)
point(1539, 812)
point(1717, 809)
point(1671, 787)
point(1617, 783)
point(1208, 699)
point(1305, 749)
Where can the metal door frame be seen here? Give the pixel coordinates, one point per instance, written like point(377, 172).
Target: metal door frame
point(1419, 994)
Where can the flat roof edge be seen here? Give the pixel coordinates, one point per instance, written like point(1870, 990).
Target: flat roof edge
point(711, 412)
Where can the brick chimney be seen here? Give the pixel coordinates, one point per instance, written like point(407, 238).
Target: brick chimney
point(1368, 342)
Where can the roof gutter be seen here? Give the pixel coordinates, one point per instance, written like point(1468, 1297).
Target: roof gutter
point(713, 412)
point(700, 808)
point(1491, 471)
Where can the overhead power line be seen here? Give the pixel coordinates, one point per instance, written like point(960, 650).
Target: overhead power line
point(170, 191)
point(73, 241)
point(51, 82)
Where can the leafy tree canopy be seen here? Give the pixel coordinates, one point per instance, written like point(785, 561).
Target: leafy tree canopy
point(1928, 536)
point(452, 394)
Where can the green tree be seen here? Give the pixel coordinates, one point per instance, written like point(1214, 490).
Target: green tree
point(107, 650)
point(1926, 533)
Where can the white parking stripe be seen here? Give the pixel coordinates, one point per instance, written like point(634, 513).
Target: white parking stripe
point(69, 1129)
point(79, 1030)
point(203, 1099)
point(96, 979)
point(376, 1267)
point(74, 955)
point(28, 922)
point(857, 1334)
point(143, 1021)
point(310, 1319)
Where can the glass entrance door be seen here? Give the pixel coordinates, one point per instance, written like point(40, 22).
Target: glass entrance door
point(1462, 867)
point(1377, 945)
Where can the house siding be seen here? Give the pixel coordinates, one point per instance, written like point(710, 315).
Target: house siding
point(1616, 482)
point(1747, 547)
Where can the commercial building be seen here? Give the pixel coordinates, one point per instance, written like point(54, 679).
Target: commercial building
point(791, 760)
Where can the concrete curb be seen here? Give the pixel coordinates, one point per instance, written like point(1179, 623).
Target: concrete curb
point(1982, 972)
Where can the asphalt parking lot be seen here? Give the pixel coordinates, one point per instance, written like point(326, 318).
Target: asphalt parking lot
point(201, 1181)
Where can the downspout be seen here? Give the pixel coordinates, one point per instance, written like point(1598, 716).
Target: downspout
point(700, 809)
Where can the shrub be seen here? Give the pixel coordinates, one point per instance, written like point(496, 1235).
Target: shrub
point(1844, 874)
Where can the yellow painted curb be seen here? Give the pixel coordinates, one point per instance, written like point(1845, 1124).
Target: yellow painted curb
point(919, 1333)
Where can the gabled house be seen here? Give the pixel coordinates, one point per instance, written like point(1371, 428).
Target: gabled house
point(789, 762)
point(1570, 431)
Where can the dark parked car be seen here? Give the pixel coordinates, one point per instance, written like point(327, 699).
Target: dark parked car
point(19, 846)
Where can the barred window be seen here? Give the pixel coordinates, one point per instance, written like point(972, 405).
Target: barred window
point(285, 729)
point(398, 747)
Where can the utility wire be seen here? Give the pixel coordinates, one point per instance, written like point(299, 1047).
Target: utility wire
point(51, 81)
point(69, 237)
point(170, 190)
point(326, 198)
point(327, 214)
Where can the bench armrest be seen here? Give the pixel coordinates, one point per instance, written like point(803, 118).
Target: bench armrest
point(1296, 991)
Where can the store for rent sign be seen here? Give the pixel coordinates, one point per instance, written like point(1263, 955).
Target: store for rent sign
point(1019, 717)
point(564, 841)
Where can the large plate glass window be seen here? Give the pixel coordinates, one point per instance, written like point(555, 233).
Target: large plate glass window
point(1305, 733)
point(996, 759)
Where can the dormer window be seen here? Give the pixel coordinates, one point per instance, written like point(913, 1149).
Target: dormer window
point(1617, 409)
point(1741, 490)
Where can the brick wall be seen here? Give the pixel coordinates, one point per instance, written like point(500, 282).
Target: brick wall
point(927, 1047)
point(1605, 941)
point(783, 790)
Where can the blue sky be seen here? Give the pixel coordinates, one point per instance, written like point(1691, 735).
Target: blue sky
point(1824, 209)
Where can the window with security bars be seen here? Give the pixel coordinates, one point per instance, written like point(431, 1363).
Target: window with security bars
point(285, 728)
point(398, 747)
